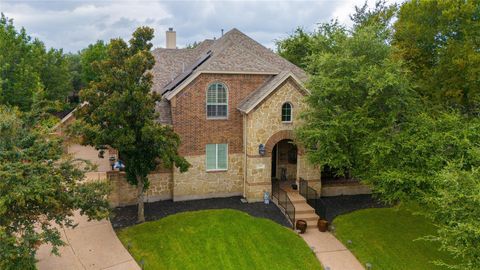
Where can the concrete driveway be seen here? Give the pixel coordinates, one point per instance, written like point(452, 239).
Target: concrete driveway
point(91, 245)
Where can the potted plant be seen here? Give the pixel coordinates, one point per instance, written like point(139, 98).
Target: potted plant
point(301, 225)
point(322, 225)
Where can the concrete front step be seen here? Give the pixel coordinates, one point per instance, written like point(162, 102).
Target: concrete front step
point(306, 217)
point(295, 197)
point(303, 208)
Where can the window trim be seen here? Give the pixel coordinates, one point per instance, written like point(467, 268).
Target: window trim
point(207, 103)
point(291, 112)
point(216, 158)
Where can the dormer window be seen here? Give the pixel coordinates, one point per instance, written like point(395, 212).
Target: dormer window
point(287, 112)
point(217, 101)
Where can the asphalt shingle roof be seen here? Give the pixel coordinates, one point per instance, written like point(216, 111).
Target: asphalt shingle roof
point(233, 52)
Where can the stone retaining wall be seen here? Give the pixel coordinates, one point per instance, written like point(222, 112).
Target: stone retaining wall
point(122, 194)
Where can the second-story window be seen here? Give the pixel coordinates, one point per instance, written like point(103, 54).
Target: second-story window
point(287, 112)
point(217, 101)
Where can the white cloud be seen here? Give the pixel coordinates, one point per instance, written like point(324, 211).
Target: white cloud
point(73, 24)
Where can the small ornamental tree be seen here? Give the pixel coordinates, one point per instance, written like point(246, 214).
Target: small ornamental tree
point(119, 111)
point(39, 188)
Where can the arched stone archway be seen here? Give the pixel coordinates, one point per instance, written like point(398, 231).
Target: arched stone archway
point(280, 136)
point(275, 138)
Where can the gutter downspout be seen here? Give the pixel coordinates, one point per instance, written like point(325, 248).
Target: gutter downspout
point(245, 133)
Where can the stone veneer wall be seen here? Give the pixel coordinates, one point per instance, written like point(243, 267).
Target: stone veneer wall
point(197, 183)
point(263, 123)
point(161, 186)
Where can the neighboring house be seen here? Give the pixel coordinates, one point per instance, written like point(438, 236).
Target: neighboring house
point(234, 104)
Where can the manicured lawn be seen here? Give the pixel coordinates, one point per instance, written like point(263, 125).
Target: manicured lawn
point(387, 238)
point(217, 239)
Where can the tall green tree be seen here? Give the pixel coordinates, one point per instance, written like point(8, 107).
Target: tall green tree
point(119, 111)
point(40, 188)
point(357, 94)
point(89, 57)
point(26, 67)
point(19, 78)
point(55, 75)
point(299, 47)
point(439, 42)
point(75, 69)
point(373, 113)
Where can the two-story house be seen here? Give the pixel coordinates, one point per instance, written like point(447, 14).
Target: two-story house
point(234, 104)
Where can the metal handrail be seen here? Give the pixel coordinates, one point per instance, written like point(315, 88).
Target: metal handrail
point(283, 201)
point(312, 198)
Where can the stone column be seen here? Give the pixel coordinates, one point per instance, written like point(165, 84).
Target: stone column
point(309, 172)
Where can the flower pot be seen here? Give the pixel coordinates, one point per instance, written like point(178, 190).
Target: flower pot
point(301, 225)
point(322, 225)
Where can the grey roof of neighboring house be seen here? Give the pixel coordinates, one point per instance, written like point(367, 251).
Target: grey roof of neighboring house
point(233, 52)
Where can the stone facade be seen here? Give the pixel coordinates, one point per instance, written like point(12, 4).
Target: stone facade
point(264, 126)
point(198, 183)
point(161, 187)
point(265, 121)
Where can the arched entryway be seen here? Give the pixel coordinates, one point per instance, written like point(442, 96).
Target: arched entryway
point(284, 161)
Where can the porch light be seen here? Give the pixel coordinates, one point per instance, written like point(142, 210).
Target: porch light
point(261, 150)
point(101, 150)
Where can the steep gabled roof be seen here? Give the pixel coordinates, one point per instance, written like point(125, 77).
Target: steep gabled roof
point(257, 96)
point(234, 52)
point(169, 63)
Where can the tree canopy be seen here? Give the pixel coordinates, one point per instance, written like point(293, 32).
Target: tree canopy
point(439, 42)
point(39, 188)
point(28, 69)
point(395, 105)
point(119, 111)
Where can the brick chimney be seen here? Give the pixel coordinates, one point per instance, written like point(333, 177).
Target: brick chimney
point(171, 41)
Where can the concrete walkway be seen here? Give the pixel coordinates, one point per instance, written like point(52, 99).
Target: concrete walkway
point(328, 249)
point(91, 245)
point(330, 252)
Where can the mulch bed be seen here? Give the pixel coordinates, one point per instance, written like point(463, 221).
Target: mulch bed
point(127, 216)
point(339, 205)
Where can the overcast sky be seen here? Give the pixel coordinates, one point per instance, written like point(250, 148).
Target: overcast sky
point(73, 24)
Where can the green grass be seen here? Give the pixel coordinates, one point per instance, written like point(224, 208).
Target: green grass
point(217, 239)
point(388, 238)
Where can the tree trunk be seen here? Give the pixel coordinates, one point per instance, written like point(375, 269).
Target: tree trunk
point(140, 214)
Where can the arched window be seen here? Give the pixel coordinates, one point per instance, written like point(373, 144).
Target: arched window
point(287, 112)
point(217, 101)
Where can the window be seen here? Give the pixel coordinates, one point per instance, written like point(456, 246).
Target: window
point(217, 101)
point(287, 112)
point(217, 157)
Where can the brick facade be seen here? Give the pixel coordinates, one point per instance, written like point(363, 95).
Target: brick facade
point(189, 113)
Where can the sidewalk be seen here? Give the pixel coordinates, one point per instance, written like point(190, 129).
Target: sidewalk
point(330, 252)
point(91, 245)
